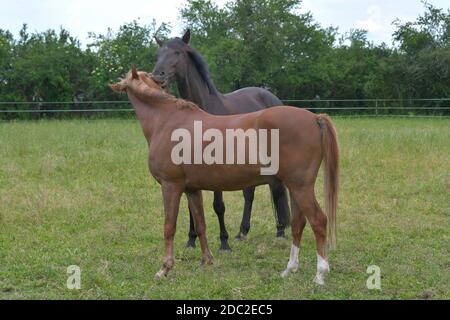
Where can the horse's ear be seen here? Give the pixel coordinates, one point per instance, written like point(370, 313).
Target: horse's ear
point(158, 41)
point(187, 36)
point(134, 73)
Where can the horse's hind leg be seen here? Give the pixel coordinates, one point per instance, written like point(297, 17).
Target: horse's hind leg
point(280, 202)
point(249, 196)
point(219, 208)
point(318, 221)
point(192, 234)
point(297, 225)
point(305, 199)
point(195, 200)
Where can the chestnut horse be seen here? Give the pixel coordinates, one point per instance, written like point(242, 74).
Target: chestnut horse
point(178, 61)
point(304, 141)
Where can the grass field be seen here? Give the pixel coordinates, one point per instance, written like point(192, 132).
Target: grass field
point(79, 193)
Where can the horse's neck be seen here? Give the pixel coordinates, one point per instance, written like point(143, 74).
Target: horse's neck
point(155, 115)
point(193, 88)
point(149, 117)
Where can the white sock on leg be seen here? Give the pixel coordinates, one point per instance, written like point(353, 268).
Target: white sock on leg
point(322, 269)
point(293, 262)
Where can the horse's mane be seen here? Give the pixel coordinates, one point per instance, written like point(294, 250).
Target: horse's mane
point(202, 68)
point(199, 63)
point(184, 104)
point(152, 95)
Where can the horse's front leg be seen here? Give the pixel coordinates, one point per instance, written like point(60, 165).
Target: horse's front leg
point(171, 196)
point(195, 200)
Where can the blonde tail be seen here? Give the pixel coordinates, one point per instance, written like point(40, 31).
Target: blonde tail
point(330, 147)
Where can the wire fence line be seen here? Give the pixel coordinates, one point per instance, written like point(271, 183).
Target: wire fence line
point(365, 100)
point(284, 100)
point(383, 107)
point(66, 111)
point(131, 110)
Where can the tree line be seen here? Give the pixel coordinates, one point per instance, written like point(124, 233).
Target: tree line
point(246, 43)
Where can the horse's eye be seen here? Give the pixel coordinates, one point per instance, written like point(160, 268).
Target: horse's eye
point(177, 53)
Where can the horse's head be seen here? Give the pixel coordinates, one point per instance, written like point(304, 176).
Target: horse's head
point(136, 79)
point(172, 59)
point(142, 86)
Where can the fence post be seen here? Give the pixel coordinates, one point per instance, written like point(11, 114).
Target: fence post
point(376, 107)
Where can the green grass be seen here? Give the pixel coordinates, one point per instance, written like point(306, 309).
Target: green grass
point(79, 193)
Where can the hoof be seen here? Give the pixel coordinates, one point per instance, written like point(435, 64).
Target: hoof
point(190, 244)
point(320, 276)
point(281, 235)
point(285, 273)
point(207, 261)
point(241, 237)
point(289, 270)
point(319, 280)
point(224, 247)
point(160, 274)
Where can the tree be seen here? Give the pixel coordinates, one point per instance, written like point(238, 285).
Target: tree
point(424, 54)
point(258, 43)
point(6, 55)
point(49, 66)
point(116, 53)
point(266, 43)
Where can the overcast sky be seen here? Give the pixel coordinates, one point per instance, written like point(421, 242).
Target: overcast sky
point(82, 16)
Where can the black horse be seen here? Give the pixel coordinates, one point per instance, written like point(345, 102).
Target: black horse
point(179, 62)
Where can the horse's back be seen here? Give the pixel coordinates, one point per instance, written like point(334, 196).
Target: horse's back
point(295, 124)
point(288, 115)
point(250, 99)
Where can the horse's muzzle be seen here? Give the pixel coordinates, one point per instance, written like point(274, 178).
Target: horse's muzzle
point(161, 80)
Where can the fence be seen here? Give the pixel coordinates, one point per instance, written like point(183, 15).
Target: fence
point(345, 107)
point(377, 107)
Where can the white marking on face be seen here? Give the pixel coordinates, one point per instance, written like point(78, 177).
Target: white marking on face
point(293, 262)
point(322, 269)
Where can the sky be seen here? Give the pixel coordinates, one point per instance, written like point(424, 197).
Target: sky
point(83, 16)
